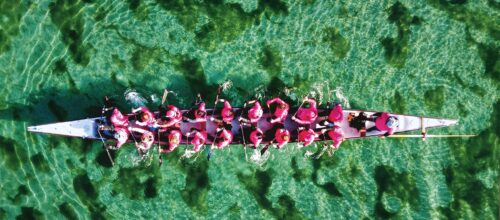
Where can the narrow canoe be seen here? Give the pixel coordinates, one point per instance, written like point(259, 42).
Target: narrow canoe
point(87, 128)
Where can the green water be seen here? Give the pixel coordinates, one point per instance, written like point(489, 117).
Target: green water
point(433, 58)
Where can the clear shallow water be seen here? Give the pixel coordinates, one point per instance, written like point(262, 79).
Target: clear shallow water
point(435, 58)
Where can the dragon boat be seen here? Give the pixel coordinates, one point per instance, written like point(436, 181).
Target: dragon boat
point(88, 128)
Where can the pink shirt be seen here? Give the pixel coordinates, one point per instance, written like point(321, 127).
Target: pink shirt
point(147, 140)
point(336, 136)
point(173, 113)
point(151, 118)
point(201, 108)
point(336, 114)
point(123, 136)
point(174, 139)
point(307, 137)
point(280, 112)
point(381, 121)
point(224, 139)
point(227, 112)
point(198, 140)
point(118, 119)
point(254, 137)
point(308, 115)
point(255, 112)
point(282, 137)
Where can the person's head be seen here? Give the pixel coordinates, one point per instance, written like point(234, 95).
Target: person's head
point(201, 106)
point(174, 140)
point(285, 137)
point(144, 117)
point(121, 134)
point(147, 137)
point(392, 122)
point(170, 114)
point(282, 106)
point(227, 105)
point(200, 113)
point(306, 105)
point(259, 135)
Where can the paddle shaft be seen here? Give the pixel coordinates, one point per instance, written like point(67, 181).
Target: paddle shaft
point(106, 148)
point(104, 143)
point(429, 135)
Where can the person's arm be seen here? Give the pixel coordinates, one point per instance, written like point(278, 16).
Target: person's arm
point(299, 121)
point(169, 123)
point(312, 102)
point(271, 101)
point(389, 132)
point(250, 101)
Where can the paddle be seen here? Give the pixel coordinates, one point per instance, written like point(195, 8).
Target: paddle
point(430, 135)
point(163, 99)
point(104, 145)
point(102, 139)
point(219, 89)
point(242, 132)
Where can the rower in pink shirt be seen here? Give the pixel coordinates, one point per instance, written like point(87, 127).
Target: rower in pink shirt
point(336, 135)
point(384, 122)
point(256, 137)
point(174, 139)
point(196, 115)
point(280, 111)
point(172, 117)
point(121, 136)
point(227, 113)
point(223, 138)
point(307, 136)
point(306, 114)
point(253, 114)
point(146, 117)
point(118, 119)
point(336, 115)
point(146, 141)
point(199, 140)
point(282, 137)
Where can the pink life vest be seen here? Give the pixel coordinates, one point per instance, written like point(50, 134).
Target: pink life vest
point(173, 114)
point(336, 136)
point(255, 112)
point(150, 121)
point(307, 137)
point(121, 136)
point(254, 137)
point(282, 137)
point(281, 110)
point(201, 108)
point(308, 115)
point(224, 139)
point(198, 140)
point(118, 119)
point(336, 114)
point(381, 121)
point(227, 113)
point(174, 139)
point(147, 139)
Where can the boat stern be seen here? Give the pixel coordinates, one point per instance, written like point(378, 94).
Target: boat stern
point(85, 128)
